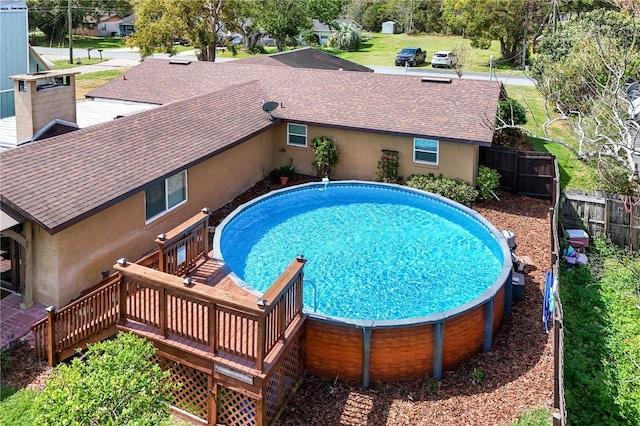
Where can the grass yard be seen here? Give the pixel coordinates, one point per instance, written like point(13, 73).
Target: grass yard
point(602, 338)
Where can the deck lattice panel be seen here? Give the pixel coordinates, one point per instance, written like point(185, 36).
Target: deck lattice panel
point(236, 409)
point(191, 396)
point(282, 381)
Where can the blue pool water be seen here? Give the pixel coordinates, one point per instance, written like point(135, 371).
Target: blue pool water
point(376, 252)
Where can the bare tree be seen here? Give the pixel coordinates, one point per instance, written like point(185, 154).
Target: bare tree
point(463, 53)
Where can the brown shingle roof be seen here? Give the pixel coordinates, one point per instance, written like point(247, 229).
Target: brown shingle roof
point(64, 179)
point(61, 180)
point(399, 104)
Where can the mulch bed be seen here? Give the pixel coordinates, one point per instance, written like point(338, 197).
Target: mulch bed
point(518, 371)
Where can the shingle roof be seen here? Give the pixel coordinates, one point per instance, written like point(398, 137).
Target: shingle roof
point(67, 178)
point(399, 104)
point(307, 57)
point(61, 180)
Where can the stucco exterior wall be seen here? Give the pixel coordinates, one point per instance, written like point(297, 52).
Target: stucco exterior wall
point(73, 258)
point(359, 154)
point(45, 266)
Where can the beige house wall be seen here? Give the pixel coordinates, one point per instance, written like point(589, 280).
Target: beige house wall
point(71, 260)
point(360, 152)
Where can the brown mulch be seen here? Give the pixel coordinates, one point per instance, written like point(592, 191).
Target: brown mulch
point(518, 370)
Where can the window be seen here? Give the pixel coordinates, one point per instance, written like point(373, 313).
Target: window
point(164, 195)
point(297, 135)
point(425, 151)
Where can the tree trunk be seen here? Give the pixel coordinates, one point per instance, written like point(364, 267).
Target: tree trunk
point(251, 40)
point(279, 44)
point(208, 54)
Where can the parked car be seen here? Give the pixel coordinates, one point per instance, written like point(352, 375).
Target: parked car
point(411, 55)
point(444, 58)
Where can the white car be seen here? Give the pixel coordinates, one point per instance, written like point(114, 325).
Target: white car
point(444, 58)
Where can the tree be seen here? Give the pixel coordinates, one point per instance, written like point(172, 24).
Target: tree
point(346, 38)
point(584, 70)
point(240, 16)
point(282, 19)
point(115, 382)
point(512, 23)
point(375, 14)
point(326, 155)
point(159, 22)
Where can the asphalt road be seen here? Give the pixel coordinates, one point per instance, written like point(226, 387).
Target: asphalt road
point(425, 70)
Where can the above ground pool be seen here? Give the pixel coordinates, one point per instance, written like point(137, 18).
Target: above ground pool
point(378, 255)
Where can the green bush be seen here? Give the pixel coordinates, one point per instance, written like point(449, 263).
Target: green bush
point(20, 408)
point(456, 190)
point(511, 112)
point(510, 137)
point(326, 155)
point(388, 167)
point(488, 181)
point(115, 382)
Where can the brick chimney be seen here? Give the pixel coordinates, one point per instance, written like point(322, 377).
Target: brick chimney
point(42, 97)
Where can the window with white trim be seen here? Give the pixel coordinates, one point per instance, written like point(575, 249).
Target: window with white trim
point(164, 195)
point(297, 135)
point(425, 151)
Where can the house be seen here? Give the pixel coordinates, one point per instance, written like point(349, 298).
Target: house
point(323, 31)
point(78, 201)
point(126, 25)
point(109, 26)
point(17, 56)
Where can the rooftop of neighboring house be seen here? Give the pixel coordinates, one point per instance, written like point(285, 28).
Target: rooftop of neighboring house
point(307, 57)
point(210, 107)
point(320, 26)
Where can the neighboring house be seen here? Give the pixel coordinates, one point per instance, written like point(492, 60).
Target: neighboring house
point(109, 26)
point(81, 200)
point(16, 56)
point(322, 31)
point(126, 25)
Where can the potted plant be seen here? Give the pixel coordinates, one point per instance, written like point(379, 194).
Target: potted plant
point(285, 173)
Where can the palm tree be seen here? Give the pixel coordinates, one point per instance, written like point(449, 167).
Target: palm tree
point(346, 38)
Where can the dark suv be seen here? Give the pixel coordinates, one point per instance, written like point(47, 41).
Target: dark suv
point(411, 55)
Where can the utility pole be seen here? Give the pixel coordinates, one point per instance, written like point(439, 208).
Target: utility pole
point(70, 31)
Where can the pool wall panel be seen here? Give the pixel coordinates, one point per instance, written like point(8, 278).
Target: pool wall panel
point(463, 337)
point(400, 354)
point(333, 350)
point(498, 310)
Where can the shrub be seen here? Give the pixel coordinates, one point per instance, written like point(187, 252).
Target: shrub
point(388, 167)
point(326, 155)
point(20, 408)
point(511, 112)
point(454, 189)
point(115, 382)
point(346, 38)
point(488, 181)
point(510, 137)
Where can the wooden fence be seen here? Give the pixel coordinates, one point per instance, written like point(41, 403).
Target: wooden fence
point(599, 213)
point(522, 172)
point(559, 403)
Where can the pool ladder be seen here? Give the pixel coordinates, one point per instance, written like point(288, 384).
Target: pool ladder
point(315, 301)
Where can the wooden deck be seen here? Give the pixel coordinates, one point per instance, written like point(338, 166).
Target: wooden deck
point(240, 353)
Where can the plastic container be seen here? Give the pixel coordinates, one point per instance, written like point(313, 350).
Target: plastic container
point(517, 285)
point(577, 238)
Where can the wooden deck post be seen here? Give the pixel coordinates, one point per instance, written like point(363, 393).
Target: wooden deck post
point(262, 336)
point(122, 301)
point(213, 331)
point(52, 355)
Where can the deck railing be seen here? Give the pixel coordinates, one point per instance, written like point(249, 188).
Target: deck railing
point(182, 247)
point(217, 320)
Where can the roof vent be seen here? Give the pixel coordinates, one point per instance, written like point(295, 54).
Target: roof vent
point(436, 80)
point(179, 61)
